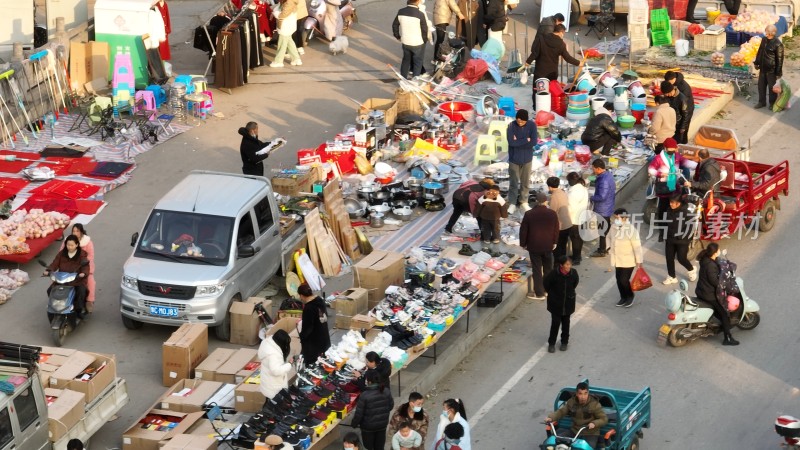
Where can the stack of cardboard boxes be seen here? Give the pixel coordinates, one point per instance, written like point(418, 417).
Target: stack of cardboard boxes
point(377, 271)
point(349, 304)
point(638, 19)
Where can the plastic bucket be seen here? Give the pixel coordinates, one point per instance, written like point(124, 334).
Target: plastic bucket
point(638, 115)
point(543, 101)
point(681, 48)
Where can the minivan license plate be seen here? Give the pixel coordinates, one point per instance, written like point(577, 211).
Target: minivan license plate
point(163, 311)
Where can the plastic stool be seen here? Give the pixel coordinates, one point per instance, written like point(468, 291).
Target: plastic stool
point(506, 104)
point(499, 129)
point(485, 148)
point(187, 81)
point(159, 94)
point(149, 103)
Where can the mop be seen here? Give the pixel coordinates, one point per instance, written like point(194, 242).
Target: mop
point(13, 119)
point(51, 64)
point(41, 107)
point(7, 136)
point(12, 83)
point(38, 57)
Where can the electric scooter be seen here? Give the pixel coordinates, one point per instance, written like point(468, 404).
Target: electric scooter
point(61, 309)
point(788, 428)
point(312, 26)
point(556, 442)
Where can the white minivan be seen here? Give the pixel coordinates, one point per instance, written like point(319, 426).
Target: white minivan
point(211, 240)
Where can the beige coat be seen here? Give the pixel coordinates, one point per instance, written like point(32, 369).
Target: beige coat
point(625, 247)
point(443, 11)
point(302, 9)
point(559, 202)
point(663, 125)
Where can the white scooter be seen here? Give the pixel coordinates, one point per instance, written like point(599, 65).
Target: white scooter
point(788, 428)
point(691, 318)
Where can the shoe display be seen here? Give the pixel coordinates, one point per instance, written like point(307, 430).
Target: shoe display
point(466, 250)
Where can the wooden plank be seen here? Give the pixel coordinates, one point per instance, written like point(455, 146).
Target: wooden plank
point(314, 227)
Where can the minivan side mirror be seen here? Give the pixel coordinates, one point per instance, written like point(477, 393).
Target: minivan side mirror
point(245, 251)
point(134, 238)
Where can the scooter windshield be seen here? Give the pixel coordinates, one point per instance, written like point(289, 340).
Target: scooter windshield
point(63, 277)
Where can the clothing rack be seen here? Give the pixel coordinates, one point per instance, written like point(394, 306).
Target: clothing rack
point(228, 9)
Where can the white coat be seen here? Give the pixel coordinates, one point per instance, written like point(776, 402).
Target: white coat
point(274, 370)
point(625, 246)
point(466, 441)
point(578, 198)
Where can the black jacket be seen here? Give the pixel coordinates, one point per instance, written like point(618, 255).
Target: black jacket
point(384, 369)
point(708, 280)
point(561, 291)
point(373, 410)
point(707, 174)
point(251, 163)
point(495, 16)
point(679, 225)
point(770, 56)
point(686, 90)
point(600, 126)
point(547, 52)
point(314, 335)
point(538, 232)
point(682, 112)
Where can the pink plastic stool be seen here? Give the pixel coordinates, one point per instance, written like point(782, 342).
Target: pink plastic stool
point(149, 103)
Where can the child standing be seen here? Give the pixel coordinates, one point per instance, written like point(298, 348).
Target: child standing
point(491, 208)
point(406, 438)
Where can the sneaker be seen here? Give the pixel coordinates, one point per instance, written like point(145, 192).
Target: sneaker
point(563, 347)
point(621, 302)
point(496, 241)
point(598, 254)
point(576, 262)
point(539, 298)
point(759, 105)
point(263, 39)
point(670, 280)
point(525, 207)
point(276, 64)
point(297, 62)
point(301, 51)
point(532, 295)
point(89, 307)
point(628, 304)
point(466, 250)
point(448, 231)
point(551, 349)
point(692, 275)
point(512, 209)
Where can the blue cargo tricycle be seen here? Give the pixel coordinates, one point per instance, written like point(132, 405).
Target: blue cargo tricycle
point(628, 413)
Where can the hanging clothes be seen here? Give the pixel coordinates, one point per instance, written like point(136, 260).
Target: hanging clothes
point(264, 13)
point(156, 31)
point(228, 69)
point(244, 36)
point(256, 57)
point(163, 47)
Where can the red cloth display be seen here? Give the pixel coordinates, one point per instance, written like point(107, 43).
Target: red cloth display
point(11, 186)
point(16, 166)
point(163, 47)
point(65, 189)
point(36, 246)
point(64, 206)
point(82, 166)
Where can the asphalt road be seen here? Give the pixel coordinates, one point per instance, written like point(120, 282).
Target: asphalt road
point(704, 395)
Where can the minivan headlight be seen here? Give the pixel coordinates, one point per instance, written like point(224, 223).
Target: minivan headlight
point(209, 290)
point(130, 282)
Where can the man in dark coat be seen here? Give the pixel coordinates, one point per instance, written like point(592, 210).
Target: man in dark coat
point(547, 26)
point(680, 104)
point(252, 150)
point(547, 51)
point(769, 62)
point(538, 233)
point(602, 133)
point(560, 285)
point(314, 336)
point(706, 175)
point(677, 80)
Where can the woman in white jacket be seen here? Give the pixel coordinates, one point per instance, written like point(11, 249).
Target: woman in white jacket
point(578, 198)
point(625, 250)
point(454, 412)
point(287, 25)
point(273, 353)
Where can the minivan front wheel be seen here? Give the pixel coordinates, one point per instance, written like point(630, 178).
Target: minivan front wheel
point(131, 324)
point(223, 330)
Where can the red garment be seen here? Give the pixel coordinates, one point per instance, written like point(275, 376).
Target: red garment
point(163, 47)
point(264, 13)
point(474, 70)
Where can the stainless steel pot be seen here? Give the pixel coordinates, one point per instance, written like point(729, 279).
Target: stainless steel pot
point(354, 208)
point(376, 220)
point(382, 208)
point(433, 188)
point(403, 213)
point(377, 117)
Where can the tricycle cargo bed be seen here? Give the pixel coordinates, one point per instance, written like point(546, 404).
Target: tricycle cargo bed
point(97, 414)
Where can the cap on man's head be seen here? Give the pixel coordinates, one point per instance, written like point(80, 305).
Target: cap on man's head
point(559, 17)
point(273, 439)
point(522, 114)
point(541, 197)
point(670, 143)
point(666, 87)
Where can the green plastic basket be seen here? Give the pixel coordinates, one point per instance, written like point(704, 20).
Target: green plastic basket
point(659, 20)
point(661, 38)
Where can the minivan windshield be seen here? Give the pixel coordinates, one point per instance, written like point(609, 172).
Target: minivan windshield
point(186, 238)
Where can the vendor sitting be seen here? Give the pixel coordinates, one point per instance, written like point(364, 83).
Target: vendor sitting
point(601, 132)
point(374, 364)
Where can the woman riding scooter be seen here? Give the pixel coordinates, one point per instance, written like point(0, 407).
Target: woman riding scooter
point(72, 259)
point(708, 288)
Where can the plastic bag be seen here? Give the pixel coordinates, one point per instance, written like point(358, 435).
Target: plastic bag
point(783, 97)
point(641, 280)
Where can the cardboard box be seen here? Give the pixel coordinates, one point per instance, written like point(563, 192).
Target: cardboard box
point(88, 61)
point(183, 351)
point(387, 105)
point(195, 394)
point(293, 185)
point(50, 359)
point(138, 438)
point(227, 372)
point(362, 322)
point(249, 398)
point(207, 369)
point(68, 374)
point(377, 271)
point(65, 412)
point(190, 442)
point(245, 322)
point(348, 304)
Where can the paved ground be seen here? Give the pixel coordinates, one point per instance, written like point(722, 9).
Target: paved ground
point(704, 395)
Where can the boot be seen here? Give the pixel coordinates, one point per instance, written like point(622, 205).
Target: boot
point(466, 250)
point(729, 340)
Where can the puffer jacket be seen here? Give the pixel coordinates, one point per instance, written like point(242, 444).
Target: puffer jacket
point(443, 11)
point(708, 280)
point(561, 291)
point(770, 56)
point(663, 124)
point(605, 194)
point(274, 369)
point(373, 409)
point(600, 126)
point(624, 246)
point(547, 51)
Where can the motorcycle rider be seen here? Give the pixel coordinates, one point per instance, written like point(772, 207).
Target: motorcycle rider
point(709, 291)
point(706, 175)
point(72, 260)
point(585, 411)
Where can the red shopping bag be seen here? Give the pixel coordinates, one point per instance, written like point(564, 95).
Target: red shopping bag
point(641, 280)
